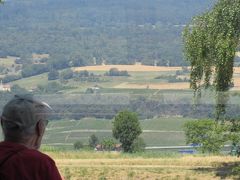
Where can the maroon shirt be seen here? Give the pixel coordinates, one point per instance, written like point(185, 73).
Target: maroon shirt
point(17, 162)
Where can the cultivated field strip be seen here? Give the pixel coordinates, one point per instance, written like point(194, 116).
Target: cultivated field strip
point(130, 68)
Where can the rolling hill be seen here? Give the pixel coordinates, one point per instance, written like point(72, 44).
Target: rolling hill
point(115, 31)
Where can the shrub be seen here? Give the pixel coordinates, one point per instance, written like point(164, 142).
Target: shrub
point(66, 74)
point(93, 141)
point(10, 78)
point(34, 69)
point(116, 72)
point(84, 73)
point(108, 144)
point(78, 145)
point(53, 75)
point(89, 91)
point(207, 133)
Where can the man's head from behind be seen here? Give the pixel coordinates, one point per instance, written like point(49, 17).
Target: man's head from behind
point(24, 120)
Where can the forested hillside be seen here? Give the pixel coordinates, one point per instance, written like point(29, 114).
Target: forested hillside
point(94, 31)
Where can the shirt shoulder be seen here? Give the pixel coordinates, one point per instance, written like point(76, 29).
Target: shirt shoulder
point(35, 154)
point(29, 163)
point(43, 162)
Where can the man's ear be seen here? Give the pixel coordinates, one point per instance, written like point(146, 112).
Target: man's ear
point(40, 128)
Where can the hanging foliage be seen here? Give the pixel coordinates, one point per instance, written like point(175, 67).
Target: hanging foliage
point(210, 45)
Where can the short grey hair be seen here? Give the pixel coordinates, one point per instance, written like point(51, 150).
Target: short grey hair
point(20, 116)
point(13, 132)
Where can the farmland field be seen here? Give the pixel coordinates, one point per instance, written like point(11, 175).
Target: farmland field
point(7, 62)
point(103, 165)
point(156, 132)
point(136, 68)
point(161, 86)
point(148, 71)
point(130, 68)
point(141, 77)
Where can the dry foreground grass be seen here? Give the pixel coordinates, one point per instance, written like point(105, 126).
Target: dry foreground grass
point(99, 165)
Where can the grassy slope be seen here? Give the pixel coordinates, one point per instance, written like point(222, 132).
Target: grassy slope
point(58, 131)
point(157, 132)
point(107, 82)
point(32, 82)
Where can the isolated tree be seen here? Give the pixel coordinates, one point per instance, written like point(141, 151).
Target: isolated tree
point(126, 128)
point(210, 44)
point(93, 141)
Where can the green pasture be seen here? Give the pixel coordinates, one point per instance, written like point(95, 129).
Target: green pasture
point(32, 82)
point(107, 84)
point(156, 132)
point(164, 124)
point(148, 77)
point(142, 92)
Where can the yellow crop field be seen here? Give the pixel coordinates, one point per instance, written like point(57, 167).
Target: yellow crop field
point(160, 86)
point(236, 81)
point(107, 165)
point(130, 68)
point(36, 56)
point(136, 68)
point(166, 86)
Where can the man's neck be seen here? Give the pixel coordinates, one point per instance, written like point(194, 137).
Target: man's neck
point(28, 143)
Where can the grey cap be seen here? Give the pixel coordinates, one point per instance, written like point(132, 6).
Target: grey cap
point(24, 111)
